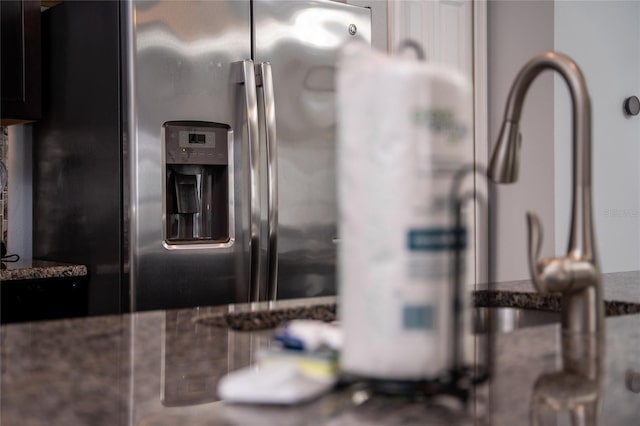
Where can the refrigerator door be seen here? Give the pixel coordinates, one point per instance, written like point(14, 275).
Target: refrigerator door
point(301, 41)
point(179, 65)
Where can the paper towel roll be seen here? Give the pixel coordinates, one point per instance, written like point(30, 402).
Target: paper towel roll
point(404, 129)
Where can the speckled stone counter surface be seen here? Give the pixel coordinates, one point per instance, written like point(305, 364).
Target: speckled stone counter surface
point(618, 286)
point(29, 269)
point(622, 296)
point(161, 368)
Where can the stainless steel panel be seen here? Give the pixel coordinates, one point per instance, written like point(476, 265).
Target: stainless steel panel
point(180, 69)
point(301, 40)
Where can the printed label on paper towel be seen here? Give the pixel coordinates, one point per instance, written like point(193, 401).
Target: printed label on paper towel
point(441, 121)
point(438, 242)
point(419, 317)
point(436, 239)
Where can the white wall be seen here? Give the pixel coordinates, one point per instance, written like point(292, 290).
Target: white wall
point(518, 30)
point(603, 38)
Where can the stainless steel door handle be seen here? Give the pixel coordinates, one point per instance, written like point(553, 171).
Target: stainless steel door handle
point(265, 80)
point(244, 73)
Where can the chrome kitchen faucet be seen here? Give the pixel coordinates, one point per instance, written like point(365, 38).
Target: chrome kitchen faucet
point(577, 275)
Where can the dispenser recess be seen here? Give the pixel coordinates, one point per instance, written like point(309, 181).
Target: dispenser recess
point(196, 183)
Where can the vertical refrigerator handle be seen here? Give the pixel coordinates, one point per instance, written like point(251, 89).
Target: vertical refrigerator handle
point(265, 79)
point(244, 74)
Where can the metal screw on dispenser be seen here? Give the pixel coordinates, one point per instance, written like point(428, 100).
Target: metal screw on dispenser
point(353, 29)
point(631, 105)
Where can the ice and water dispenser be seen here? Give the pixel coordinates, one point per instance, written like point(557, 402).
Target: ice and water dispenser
point(197, 196)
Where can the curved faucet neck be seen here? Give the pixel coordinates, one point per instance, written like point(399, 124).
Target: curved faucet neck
point(581, 245)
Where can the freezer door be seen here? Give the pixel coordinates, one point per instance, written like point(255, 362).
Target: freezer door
point(179, 57)
point(301, 40)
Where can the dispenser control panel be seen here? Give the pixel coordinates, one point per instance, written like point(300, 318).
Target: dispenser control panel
point(198, 184)
point(196, 143)
point(196, 139)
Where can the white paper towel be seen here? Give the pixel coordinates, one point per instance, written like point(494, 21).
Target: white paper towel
point(404, 129)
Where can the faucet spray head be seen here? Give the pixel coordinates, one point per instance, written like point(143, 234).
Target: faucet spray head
point(505, 161)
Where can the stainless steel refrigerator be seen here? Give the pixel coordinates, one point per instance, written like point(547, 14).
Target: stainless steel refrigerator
point(186, 153)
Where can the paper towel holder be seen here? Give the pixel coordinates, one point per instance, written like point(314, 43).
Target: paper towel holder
point(460, 379)
point(413, 45)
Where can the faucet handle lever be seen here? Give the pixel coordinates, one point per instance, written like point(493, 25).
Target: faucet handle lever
point(535, 233)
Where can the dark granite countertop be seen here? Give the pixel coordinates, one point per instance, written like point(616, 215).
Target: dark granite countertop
point(161, 368)
point(29, 269)
point(621, 286)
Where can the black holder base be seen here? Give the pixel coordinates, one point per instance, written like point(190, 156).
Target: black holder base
point(458, 383)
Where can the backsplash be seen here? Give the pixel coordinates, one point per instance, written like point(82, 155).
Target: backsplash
point(3, 196)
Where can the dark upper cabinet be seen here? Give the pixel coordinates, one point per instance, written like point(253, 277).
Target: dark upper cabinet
point(20, 61)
